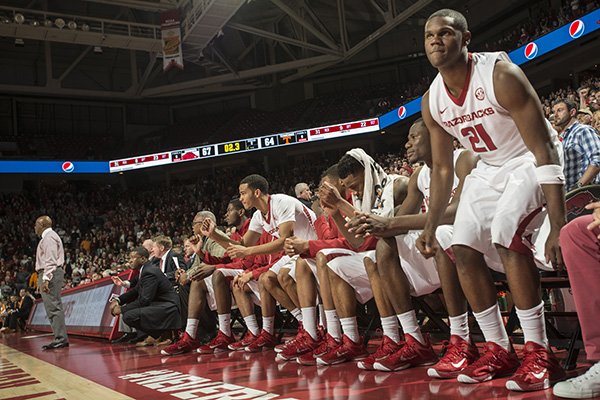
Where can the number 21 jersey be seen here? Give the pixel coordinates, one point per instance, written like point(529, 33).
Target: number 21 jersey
point(475, 118)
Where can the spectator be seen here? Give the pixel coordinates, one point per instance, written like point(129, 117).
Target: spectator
point(581, 146)
point(579, 240)
point(22, 278)
point(304, 194)
point(584, 116)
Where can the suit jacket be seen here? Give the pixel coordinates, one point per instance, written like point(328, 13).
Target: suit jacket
point(172, 262)
point(155, 293)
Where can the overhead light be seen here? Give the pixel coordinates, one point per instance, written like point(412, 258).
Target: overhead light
point(72, 25)
point(19, 18)
point(59, 22)
point(48, 23)
point(35, 23)
point(19, 42)
point(85, 27)
point(97, 49)
point(6, 20)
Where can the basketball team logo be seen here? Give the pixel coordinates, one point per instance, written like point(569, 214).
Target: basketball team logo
point(576, 28)
point(402, 112)
point(479, 93)
point(68, 167)
point(531, 50)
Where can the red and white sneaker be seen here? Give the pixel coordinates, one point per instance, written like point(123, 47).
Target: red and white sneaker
point(412, 354)
point(326, 345)
point(303, 345)
point(458, 356)
point(184, 345)
point(346, 351)
point(538, 371)
point(264, 341)
point(219, 344)
point(494, 362)
point(387, 348)
point(248, 338)
point(280, 347)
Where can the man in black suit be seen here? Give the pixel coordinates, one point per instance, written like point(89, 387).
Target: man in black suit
point(25, 305)
point(152, 305)
point(168, 261)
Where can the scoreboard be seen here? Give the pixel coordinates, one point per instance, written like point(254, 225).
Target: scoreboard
point(243, 145)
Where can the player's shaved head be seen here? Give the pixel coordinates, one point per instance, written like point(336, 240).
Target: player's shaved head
point(459, 22)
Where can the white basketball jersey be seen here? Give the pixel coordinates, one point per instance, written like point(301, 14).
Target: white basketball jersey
point(284, 208)
point(424, 180)
point(476, 119)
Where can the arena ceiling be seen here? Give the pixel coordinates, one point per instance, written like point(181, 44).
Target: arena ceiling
point(112, 48)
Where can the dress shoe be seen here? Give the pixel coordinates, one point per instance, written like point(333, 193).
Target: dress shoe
point(125, 338)
point(137, 338)
point(55, 345)
point(149, 341)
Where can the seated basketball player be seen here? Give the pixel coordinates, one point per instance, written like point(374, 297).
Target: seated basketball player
point(372, 190)
point(279, 215)
point(405, 272)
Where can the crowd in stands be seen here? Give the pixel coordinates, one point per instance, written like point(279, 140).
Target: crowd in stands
point(541, 21)
point(98, 236)
point(99, 227)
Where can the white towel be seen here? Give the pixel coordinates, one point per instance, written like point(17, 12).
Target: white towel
point(378, 192)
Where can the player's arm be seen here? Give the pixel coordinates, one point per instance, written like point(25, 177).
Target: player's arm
point(286, 230)
point(442, 176)
point(411, 219)
point(249, 247)
point(517, 96)
point(209, 230)
point(340, 222)
point(369, 224)
point(400, 190)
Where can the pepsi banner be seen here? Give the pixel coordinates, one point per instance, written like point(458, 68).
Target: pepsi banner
point(545, 44)
point(54, 167)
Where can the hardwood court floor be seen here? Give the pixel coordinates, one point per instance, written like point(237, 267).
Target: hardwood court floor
point(92, 369)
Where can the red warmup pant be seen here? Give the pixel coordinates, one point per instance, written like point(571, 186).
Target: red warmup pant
point(581, 252)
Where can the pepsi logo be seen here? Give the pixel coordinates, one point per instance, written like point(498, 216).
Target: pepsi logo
point(68, 166)
point(402, 112)
point(531, 50)
point(576, 28)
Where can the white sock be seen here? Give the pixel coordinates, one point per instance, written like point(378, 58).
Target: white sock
point(408, 320)
point(225, 324)
point(390, 328)
point(191, 327)
point(459, 326)
point(251, 324)
point(490, 322)
point(309, 320)
point(350, 328)
point(333, 324)
point(533, 325)
point(322, 318)
point(297, 314)
point(268, 324)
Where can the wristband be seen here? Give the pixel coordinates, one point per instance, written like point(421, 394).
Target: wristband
point(550, 174)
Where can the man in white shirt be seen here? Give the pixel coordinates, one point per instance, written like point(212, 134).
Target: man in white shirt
point(49, 262)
